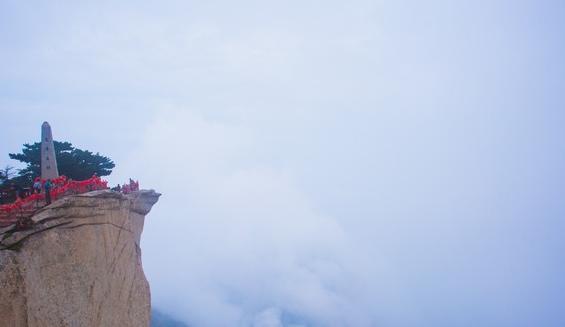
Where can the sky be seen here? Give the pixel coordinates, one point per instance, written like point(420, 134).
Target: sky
point(322, 163)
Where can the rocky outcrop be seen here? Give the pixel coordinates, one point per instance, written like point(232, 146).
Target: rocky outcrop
point(78, 265)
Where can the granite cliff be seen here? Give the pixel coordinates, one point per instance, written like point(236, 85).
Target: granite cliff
point(79, 264)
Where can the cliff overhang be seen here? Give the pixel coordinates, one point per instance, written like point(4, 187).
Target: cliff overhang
point(78, 263)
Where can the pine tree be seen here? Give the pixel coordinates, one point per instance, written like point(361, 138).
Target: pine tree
point(72, 162)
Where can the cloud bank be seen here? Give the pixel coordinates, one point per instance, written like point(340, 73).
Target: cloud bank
point(369, 163)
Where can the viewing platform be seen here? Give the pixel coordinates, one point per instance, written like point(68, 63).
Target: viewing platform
point(22, 209)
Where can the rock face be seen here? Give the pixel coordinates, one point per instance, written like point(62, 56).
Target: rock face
point(79, 265)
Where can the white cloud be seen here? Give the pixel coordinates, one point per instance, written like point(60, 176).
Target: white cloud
point(268, 318)
point(242, 234)
point(323, 163)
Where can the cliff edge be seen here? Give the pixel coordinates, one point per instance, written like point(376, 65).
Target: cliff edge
point(78, 265)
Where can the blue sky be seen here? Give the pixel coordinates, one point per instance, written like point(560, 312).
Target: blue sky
point(323, 163)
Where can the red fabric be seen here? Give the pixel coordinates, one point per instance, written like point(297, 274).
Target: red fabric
point(61, 186)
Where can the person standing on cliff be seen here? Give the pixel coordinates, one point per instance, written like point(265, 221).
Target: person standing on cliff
point(37, 185)
point(47, 187)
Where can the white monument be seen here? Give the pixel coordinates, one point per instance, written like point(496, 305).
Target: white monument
point(48, 160)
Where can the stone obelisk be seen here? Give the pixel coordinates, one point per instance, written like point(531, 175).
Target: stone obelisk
point(48, 160)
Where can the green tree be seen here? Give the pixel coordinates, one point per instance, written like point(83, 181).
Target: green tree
point(72, 162)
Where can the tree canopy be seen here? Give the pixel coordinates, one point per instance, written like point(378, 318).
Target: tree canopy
point(72, 162)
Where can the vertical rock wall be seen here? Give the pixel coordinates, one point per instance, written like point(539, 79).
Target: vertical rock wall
point(80, 264)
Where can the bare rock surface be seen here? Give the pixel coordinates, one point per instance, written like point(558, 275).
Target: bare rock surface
point(78, 265)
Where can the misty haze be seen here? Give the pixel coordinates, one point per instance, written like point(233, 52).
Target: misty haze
point(321, 163)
